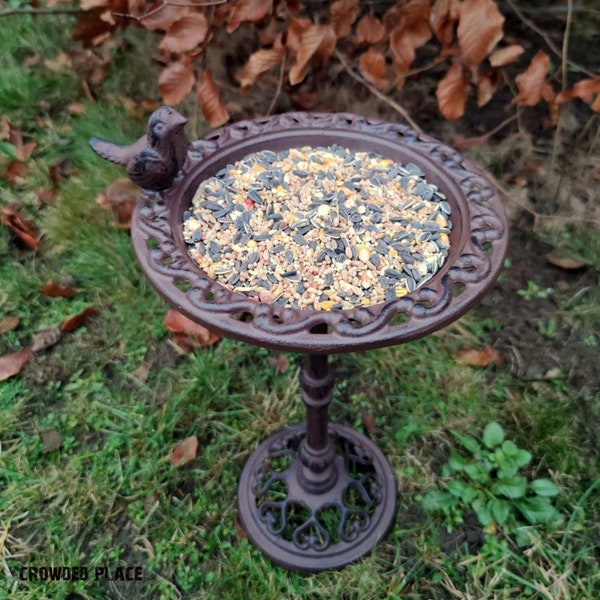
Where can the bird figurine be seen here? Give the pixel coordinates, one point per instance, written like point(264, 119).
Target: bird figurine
point(153, 161)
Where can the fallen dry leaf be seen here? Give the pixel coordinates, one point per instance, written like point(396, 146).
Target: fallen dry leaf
point(23, 229)
point(563, 262)
point(185, 33)
point(372, 67)
point(211, 103)
point(586, 90)
point(60, 171)
point(452, 91)
point(479, 29)
point(531, 81)
point(176, 81)
point(505, 56)
point(342, 14)
point(316, 41)
point(487, 84)
point(180, 325)
point(248, 11)
point(443, 19)
point(412, 32)
point(74, 322)
point(58, 290)
point(370, 30)
point(51, 440)
point(45, 195)
point(259, 62)
point(279, 362)
point(46, 338)
point(185, 451)
point(11, 364)
point(239, 528)
point(296, 27)
point(478, 358)
point(120, 197)
point(368, 422)
point(8, 323)
point(142, 372)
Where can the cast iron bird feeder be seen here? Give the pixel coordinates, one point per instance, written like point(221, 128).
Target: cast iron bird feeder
point(318, 495)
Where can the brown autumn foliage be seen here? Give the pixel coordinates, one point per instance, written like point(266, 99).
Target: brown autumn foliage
point(384, 43)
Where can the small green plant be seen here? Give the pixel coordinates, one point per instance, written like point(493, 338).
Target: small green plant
point(533, 290)
point(487, 480)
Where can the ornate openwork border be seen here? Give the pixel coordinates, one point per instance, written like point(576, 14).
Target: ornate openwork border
point(478, 239)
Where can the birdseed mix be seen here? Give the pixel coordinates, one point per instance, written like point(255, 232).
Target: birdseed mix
point(322, 228)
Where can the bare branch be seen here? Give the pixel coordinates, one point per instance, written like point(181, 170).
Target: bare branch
point(397, 107)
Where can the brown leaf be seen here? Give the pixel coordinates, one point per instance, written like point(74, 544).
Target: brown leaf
point(487, 84)
point(248, 11)
point(16, 172)
point(92, 26)
point(159, 16)
point(506, 55)
point(258, 63)
point(11, 364)
point(316, 41)
point(342, 14)
point(8, 323)
point(185, 451)
point(177, 323)
point(176, 82)
point(45, 195)
point(478, 358)
point(211, 103)
point(120, 197)
point(443, 20)
point(58, 290)
point(239, 528)
point(368, 422)
point(46, 338)
point(370, 30)
point(185, 33)
point(60, 171)
point(479, 29)
point(412, 32)
point(279, 362)
point(452, 91)
point(142, 372)
point(23, 229)
point(372, 67)
point(531, 81)
point(563, 262)
point(296, 28)
point(51, 440)
point(74, 322)
point(586, 90)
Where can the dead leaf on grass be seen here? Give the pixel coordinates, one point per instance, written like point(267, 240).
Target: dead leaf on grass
point(8, 323)
point(46, 338)
point(74, 322)
point(58, 290)
point(368, 422)
point(185, 451)
point(51, 440)
point(120, 197)
point(23, 229)
point(478, 358)
point(564, 262)
point(196, 334)
point(279, 362)
point(142, 372)
point(12, 364)
point(176, 81)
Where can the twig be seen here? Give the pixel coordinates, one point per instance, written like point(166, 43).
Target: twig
point(564, 85)
point(529, 23)
point(397, 107)
point(279, 85)
point(166, 3)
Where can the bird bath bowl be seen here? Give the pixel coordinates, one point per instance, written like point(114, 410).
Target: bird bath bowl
point(319, 495)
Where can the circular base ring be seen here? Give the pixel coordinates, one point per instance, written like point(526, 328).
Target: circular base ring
point(312, 532)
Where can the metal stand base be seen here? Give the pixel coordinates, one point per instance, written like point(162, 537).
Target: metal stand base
point(312, 531)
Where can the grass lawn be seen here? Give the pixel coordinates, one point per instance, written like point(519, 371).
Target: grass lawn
point(86, 478)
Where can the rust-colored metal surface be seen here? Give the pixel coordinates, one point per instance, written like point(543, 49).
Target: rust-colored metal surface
point(314, 496)
point(478, 239)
